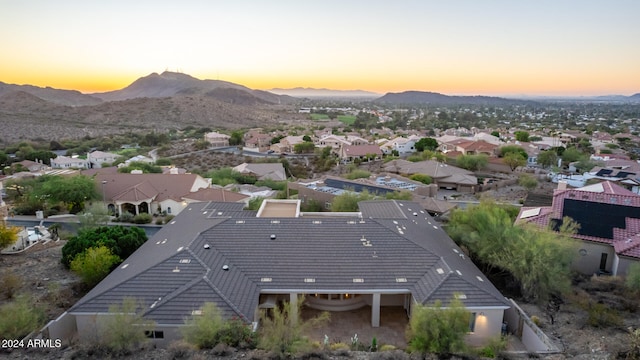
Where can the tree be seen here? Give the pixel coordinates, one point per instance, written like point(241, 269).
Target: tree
point(145, 167)
point(95, 216)
point(514, 160)
point(426, 144)
point(307, 138)
point(20, 317)
point(472, 162)
point(522, 136)
point(8, 235)
point(348, 201)
point(236, 137)
point(570, 155)
point(508, 149)
point(94, 264)
point(495, 133)
point(538, 259)
point(438, 330)
point(122, 241)
point(255, 203)
point(547, 158)
point(125, 327)
point(73, 191)
point(305, 147)
point(283, 332)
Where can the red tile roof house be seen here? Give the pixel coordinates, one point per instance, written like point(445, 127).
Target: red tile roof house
point(158, 193)
point(609, 218)
point(349, 153)
point(388, 257)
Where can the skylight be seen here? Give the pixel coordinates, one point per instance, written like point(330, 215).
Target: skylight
point(401, 280)
point(529, 213)
point(309, 280)
point(358, 280)
point(266, 279)
point(184, 261)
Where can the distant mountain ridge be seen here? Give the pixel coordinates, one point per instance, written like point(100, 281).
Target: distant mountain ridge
point(170, 84)
point(425, 97)
point(56, 96)
point(303, 92)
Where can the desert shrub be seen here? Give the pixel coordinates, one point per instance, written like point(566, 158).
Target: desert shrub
point(20, 317)
point(438, 330)
point(494, 347)
point(125, 327)
point(10, 283)
point(535, 320)
point(358, 174)
point(275, 185)
point(122, 241)
point(238, 334)
point(126, 217)
point(387, 347)
point(602, 316)
point(159, 221)
point(180, 350)
point(339, 346)
point(142, 218)
point(423, 178)
point(282, 332)
point(390, 355)
point(94, 264)
point(255, 203)
point(202, 330)
point(633, 277)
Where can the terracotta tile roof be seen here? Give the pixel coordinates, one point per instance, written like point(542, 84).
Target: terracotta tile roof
point(213, 194)
point(361, 150)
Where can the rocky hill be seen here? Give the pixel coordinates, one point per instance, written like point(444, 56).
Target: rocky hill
point(424, 97)
point(155, 102)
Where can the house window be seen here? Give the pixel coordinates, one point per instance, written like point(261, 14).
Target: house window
point(169, 210)
point(472, 322)
point(154, 334)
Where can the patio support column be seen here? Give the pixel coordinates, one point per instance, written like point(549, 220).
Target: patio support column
point(120, 208)
point(375, 310)
point(137, 210)
point(293, 302)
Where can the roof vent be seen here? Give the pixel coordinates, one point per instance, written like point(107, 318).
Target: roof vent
point(479, 278)
point(177, 269)
point(225, 267)
point(184, 261)
point(309, 280)
point(358, 280)
point(124, 266)
point(415, 214)
point(440, 271)
point(401, 280)
point(180, 248)
point(266, 279)
point(272, 237)
point(196, 312)
point(207, 246)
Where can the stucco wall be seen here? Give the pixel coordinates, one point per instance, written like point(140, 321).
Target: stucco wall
point(488, 324)
point(588, 254)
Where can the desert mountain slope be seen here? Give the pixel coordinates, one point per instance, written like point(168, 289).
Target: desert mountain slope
point(56, 96)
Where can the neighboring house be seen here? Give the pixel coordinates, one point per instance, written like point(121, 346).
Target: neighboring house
point(287, 144)
point(217, 139)
point(609, 219)
point(400, 144)
point(258, 142)
point(98, 158)
point(389, 256)
point(349, 153)
point(150, 193)
point(263, 171)
point(470, 147)
point(31, 166)
point(445, 176)
point(65, 162)
point(137, 158)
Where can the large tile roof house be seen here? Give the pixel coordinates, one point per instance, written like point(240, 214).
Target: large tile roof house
point(446, 176)
point(391, 253)
point(609, 219)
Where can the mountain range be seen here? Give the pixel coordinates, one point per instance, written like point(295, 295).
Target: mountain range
point(301, 92)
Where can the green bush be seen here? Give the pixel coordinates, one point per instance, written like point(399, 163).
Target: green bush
point(358, 174)
point(494, 347)
point(633, 277)
point(20, 317)
point(94, 264)
point(282, 335)
point(142, 218)
point(602, 316)
point(425, 179)
point(438, 330)
point(202, 330)
point(121, 240)
point(125, 328)
point(125, 217)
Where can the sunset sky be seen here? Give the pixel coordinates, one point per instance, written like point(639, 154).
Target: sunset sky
point(491, 47)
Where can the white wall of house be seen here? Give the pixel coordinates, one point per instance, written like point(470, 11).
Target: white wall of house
point(621, 265)
point(171, 206)
point(487, 325)
point(588, 256)
point(200, 183)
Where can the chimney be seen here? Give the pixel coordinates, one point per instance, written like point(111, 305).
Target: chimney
point(562, 185)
